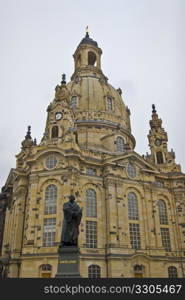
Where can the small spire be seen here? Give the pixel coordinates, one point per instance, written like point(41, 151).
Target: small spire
point(63, 79)
point(28, 134)
point(155, 122)
point(87, 31)
point(153, 109)
point(27, 143)
point(35, 142)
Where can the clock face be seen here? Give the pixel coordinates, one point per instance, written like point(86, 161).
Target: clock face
point(58, 116)
point(158, 142)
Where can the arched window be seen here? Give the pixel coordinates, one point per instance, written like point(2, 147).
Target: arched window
point(94, 271)
point(120, 144)
point(91, 210)
point(91, 58)
point(159, 157)
point(45, 271)
point(73, 102)
point(132, 207)
point(54, 132)
point(172, 272)
point(109, 103)
point(50, 199)
point(162, 212)
point(79, 61)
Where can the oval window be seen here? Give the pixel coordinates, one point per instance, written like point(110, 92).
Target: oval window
point(131, 170)
point(51, 162)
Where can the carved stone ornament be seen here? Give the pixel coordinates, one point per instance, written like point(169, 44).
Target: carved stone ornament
point(61, 93)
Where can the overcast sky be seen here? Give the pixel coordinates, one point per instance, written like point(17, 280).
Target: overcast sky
point(143, 45)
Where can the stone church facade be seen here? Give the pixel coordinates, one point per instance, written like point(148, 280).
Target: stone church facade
point(133, 222)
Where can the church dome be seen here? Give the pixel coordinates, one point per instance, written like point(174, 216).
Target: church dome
point(99, 99)
point(94, 101)
point(100, 117)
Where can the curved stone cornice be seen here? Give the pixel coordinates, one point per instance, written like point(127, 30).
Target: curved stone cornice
point(106, 124)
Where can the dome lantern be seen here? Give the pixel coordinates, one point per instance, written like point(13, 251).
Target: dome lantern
point(87, 57)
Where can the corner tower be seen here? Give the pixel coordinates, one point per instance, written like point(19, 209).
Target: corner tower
point(158, 142)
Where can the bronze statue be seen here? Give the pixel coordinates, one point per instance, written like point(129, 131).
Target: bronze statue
point(72, 217)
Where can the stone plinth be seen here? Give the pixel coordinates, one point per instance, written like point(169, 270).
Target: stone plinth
point(68, 263)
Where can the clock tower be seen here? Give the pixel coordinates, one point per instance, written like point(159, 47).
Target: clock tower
point(158, 142)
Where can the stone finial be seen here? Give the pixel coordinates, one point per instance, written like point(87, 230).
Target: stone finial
point(172, 153)
point(119, 91)
point(63, 79)
point(153, 109)
point(35, 142)
point(28, 142)
point(28, 134)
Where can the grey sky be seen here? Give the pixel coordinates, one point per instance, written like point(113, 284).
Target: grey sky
point(143, 45)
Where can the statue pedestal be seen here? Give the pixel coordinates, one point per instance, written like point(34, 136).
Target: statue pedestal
point(68, 263)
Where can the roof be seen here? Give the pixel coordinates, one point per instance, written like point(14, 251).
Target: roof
point(88, 40)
